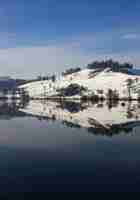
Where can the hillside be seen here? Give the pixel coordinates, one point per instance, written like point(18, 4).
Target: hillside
point(93, 81)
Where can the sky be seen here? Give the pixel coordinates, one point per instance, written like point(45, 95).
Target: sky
point(41, 37)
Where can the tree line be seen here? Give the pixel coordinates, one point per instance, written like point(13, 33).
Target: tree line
point(114, 65)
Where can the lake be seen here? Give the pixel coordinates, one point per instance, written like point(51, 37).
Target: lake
point(69, 146)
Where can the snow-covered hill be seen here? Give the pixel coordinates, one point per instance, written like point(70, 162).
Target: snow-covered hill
point(95, 82)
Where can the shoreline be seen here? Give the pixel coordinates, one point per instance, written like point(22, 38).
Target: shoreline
point(94, 99)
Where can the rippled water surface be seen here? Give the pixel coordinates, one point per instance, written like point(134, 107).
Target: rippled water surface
point(51, 146)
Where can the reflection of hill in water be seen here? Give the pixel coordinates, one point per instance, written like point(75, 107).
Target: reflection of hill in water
point(103, 118)
point(10, 109)
point(99, 119)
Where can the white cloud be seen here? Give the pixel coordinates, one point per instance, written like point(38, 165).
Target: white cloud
point(131, 36)
point(33, 61)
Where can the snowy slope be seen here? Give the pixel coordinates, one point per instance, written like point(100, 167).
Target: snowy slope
point(91, 79)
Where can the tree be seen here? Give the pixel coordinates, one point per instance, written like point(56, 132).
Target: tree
point(13, 93)
point(71, 90)
point(115, 66)
point(100, 91)
point(129, 86)
point(50, 85)
point(44, 78)
point(137, 80)
point(71, 71)
point(115, 95)
point(47, 78)
point(110, 94)
point(39, 78)
point(5, 91)
point(53, 78)
point(44, 88)
point(24, 94)
point(138, 96)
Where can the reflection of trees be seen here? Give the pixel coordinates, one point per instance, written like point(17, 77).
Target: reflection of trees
point(100, 105)
point(130, 114)
point(71, 125)
point(10, 110)
point(70, 113)
point(98, 128)
point(23, 104)
point(129, 82)
point(130, 110)
point(101, 129)
point(72, 107)
point(54, 118)
point(112, 103)
point(113, 130)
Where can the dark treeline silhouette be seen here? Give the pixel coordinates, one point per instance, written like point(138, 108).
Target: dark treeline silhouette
point(114, 130)
point(71, 71)
point(24, 81)
point(71, 90)
point(114, 65)
point(46, 78)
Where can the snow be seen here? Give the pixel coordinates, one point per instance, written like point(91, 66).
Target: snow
point(87, 117)
point(103, 80)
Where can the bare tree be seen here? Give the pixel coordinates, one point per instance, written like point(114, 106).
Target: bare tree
point(137, 80)
point(129, 86)
point(110, 94)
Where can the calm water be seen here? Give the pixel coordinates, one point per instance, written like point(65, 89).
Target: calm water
point(48, 146)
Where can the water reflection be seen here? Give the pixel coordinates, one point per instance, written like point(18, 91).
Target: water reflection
point(104, 118)
point(47, 156)
point(11, 109)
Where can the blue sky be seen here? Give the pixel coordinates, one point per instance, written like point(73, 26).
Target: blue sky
point(44, 36)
